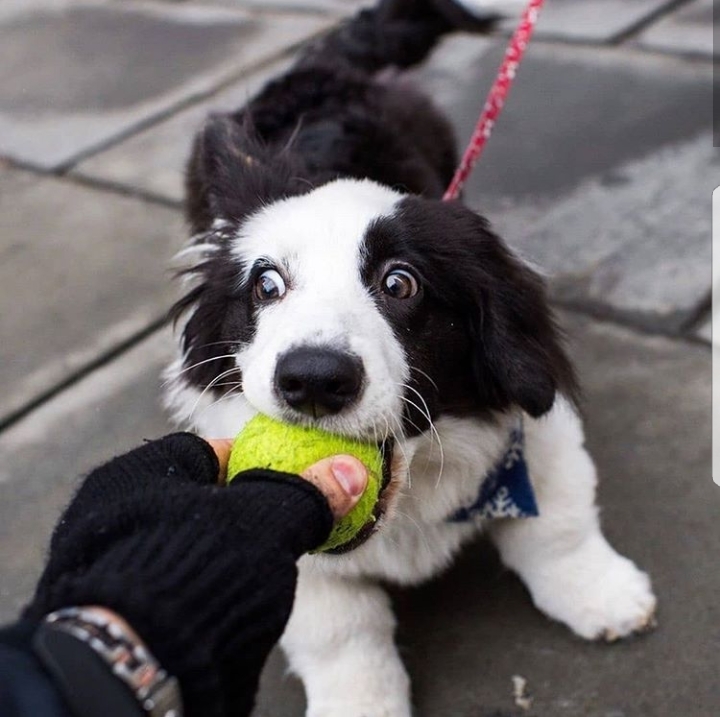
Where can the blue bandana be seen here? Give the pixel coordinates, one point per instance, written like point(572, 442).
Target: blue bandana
point(506, 491)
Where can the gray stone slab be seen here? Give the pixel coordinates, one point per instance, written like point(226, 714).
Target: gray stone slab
point(688, 31)
point(110, 411)
point(593, 20)
point(77, 77)
point(82, 271)
point(154, 160)
point(464, 635)
point(600, 170)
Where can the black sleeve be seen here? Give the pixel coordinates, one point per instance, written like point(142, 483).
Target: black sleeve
point(26, 690)
point(205, 574)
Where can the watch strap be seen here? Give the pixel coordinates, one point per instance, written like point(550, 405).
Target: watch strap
point(101, 669)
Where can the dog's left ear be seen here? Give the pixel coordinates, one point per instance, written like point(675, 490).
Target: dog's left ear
point(232, 173)
point(519, 355)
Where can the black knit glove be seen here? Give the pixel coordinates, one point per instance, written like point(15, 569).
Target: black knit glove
point(205, 574)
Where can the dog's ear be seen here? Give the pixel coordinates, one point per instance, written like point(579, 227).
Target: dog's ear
point(518, 348)
point(231, 173)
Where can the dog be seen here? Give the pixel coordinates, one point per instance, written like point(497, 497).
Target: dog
point(330, 286)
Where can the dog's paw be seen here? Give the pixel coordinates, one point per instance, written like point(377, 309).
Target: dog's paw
point(599, 595)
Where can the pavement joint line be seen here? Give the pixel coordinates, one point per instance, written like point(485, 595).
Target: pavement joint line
point(609, 315)
point(123, 190)
point(689, 340)
point(94, 183)
point(645, 22)
point(546, 40)
point(549, 39)
point(698, 317)
point(697, 56)
point(184, 104)
point(82, 372)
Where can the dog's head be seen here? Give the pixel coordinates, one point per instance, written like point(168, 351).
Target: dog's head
point(354, 307)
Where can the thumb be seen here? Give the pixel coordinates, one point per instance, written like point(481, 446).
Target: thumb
point(341, 479)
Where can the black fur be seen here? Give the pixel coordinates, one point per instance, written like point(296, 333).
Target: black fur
point(330, 117)
point(479, 335)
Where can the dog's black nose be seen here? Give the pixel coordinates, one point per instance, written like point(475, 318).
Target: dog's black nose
point(318, 381)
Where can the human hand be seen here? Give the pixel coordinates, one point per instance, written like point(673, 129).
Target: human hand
point(341, 479)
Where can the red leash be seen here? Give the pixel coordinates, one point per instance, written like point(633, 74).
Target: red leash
point(496, 97)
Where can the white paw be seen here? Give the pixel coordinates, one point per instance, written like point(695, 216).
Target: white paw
point(597, 593)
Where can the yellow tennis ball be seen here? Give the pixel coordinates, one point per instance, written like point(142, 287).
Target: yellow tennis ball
point(267, 443)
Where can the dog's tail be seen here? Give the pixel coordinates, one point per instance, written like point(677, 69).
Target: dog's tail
point(398, 33)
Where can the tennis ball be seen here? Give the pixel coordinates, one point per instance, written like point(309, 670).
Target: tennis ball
point(267, 443)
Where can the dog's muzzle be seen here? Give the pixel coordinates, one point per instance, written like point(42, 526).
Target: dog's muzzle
point(318, 381)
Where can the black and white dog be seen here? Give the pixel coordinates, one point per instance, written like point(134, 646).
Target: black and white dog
point(330, 286)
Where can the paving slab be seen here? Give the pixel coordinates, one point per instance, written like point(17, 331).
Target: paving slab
point(593, 20)
point(154, 160)
point(82, 272)
point(130, 63)
point(688, 31)
point(600, 170)
point(108, 412)
point(466, 634)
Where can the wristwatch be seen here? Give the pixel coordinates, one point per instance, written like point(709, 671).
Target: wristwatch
point(102, 668)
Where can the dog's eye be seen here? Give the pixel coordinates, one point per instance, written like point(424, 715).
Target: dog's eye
point(400, 284)
point(269, 285)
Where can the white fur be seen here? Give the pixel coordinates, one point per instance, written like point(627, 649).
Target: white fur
point(340, 637)
point(316, 241)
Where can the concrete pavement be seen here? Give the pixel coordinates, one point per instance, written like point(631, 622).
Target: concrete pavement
point(600, 171)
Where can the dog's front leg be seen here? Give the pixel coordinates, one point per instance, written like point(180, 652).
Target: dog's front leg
point(572, 572)
point(339, 641)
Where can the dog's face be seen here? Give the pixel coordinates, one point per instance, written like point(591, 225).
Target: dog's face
point(321, 349)
point(356, 308)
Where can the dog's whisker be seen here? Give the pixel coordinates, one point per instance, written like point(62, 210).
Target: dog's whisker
point(399, 445)
point(304, 180)
point(293, 136)
point(420, 396)
point(433, 429)
point(427, 376)
point(200, 363)
point(212, 383)
point(412, 423)
point(212, 343)
point(415, 524)
point(233, 393)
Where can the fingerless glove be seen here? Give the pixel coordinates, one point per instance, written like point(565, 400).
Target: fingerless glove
point(204, 573)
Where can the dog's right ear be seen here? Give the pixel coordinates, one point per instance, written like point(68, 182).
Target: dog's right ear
point(232, 173)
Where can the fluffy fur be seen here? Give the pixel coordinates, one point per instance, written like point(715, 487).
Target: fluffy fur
point(317, 225)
